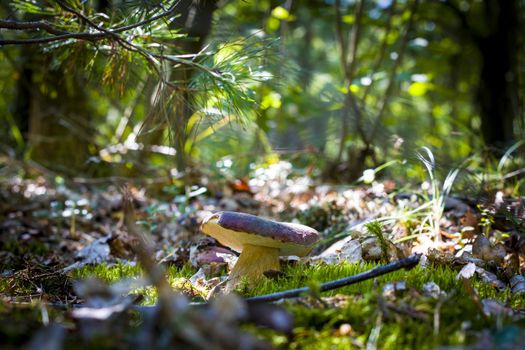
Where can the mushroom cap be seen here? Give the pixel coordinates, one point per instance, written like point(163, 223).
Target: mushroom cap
point(210, 255)
point(234, 230)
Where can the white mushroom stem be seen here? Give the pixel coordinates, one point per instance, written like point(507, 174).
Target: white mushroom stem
point(252, 263)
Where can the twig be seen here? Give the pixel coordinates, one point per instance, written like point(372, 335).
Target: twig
point(16, 25)
point(125, 43)
point(148, 20)
point(80, 36)
point(408, 262)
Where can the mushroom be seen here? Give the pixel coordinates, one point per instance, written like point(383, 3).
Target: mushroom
point(260, 242)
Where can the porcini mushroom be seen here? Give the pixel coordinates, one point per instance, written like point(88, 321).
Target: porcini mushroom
point(260, 242)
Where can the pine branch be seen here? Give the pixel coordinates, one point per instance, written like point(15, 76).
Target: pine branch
point(37, 25)
point(105, 34)
point(80, 36)
point(61, 35)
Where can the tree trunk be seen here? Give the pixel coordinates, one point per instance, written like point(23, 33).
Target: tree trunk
point(60, 113)
point(497, 92)
point(22, 101)
point(195, 20)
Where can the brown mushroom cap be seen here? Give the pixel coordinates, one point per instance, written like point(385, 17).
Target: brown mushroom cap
point(234, 230)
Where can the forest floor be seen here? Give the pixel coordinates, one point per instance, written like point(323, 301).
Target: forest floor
point(70, 276)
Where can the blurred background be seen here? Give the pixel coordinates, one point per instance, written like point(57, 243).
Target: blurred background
point(221, 88)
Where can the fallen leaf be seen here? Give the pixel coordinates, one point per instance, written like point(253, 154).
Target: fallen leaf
point(432, 290)
point(490, 278)
point(469, 221)
point(95, 253)
point(483, 249)
point(211, 254)
point(495, 308)
point(467, 271)
point(241, 185)
point(517, 284)
point(481, 246)
point(393, 289)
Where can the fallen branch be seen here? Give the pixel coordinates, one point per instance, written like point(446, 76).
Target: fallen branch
point(408, 262)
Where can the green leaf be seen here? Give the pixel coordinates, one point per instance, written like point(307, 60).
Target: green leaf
point(349, 19)
point(417, 89)
point(272, 24)
point(281, 13)
point(273, 99)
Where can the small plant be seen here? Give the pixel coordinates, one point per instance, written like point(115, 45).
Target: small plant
point(438, 194)
point(486, 221)
point(375, 228)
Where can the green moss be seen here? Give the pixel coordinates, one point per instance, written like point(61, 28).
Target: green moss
point(107, 272)
point(404, 321)
point(296, 276)
point(177, 277)
point(114, 272)
point(318, 327)
point(364, 309)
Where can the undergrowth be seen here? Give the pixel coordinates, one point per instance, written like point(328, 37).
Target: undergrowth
point(408, 320)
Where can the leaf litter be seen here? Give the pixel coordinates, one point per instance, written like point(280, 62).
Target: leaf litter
point(51, 229)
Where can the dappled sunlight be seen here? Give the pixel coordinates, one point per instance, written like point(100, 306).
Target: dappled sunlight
point(257, 175)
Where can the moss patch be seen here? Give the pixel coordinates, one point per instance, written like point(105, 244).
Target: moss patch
point(177, 277)
point(353, 316)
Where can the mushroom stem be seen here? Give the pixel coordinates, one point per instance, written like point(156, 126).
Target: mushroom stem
point(253, 261)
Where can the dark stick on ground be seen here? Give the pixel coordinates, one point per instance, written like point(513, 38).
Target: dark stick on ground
point(408, 262)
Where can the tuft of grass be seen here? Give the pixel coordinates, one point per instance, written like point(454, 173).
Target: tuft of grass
point(438, 194)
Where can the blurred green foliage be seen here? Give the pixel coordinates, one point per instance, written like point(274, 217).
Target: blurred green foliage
point(268, 81)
